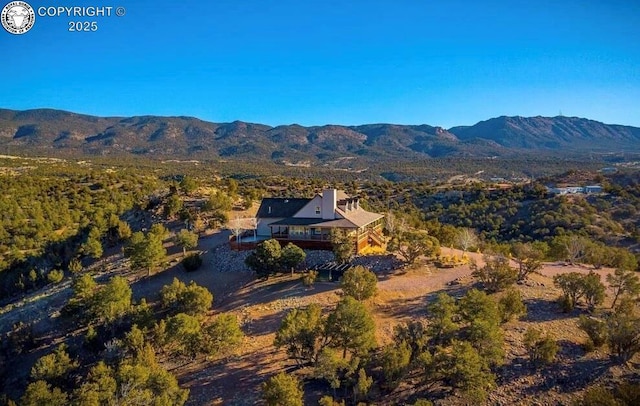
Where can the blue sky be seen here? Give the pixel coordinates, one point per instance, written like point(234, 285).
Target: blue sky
point(314, 62)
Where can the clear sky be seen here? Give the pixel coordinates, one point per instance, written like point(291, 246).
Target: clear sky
point(437, 62)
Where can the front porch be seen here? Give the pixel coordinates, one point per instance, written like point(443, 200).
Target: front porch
point(298, 233)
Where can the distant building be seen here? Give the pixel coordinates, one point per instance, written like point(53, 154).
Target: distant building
point(567, 190)
point(593, 189)
point(608, 170)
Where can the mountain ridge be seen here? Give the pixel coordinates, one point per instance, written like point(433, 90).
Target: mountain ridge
point(59, 131)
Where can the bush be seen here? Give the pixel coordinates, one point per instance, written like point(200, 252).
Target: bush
point(54, 367)
point(192, 262)
point(309, 278)
point(413, 333)
point(395, 361)
point(576, 286)
point(55, 276)
point(542, 350)
point(329, 401)
point(566, 304)
point(623, 329)
point(282, 390)
point(595, 329)
point(496, 275)
point(597, 396)
point(594, 290)
point(466, 370)
point(222, 335)
point(628, 393)
point(191, 299)
point(624, 394)
point(511, 305)
point(359, 283)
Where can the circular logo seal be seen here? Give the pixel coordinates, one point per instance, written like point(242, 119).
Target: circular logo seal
point(18, 17)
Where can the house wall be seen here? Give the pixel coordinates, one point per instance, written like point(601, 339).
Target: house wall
point(309, 211)
point(263, 226)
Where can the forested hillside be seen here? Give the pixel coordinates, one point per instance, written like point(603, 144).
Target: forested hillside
point(69, 134)
point(119, 286)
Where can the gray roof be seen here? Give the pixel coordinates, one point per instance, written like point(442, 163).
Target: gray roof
point(359, 217)
point(280, 207)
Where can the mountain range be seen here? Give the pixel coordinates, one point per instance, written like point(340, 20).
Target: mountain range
point(57, 132)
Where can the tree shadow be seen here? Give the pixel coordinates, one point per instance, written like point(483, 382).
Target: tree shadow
point(416, 307)
point(540, 310)
point(571, 371)
point(568, 377)
point(266, 292)
point(231, 380)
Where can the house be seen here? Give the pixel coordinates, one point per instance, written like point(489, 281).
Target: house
point(575, 190)
point(309, 222)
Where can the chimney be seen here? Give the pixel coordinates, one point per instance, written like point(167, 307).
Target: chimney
point(329, 204)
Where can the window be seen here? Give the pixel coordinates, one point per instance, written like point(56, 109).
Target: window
point(317, 209)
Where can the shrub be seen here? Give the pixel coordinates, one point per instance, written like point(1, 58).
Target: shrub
point(309, 278)
point(329, 401)
point(423, 402)
point(623, 328)
point(55, 276)
point(75, 266)
point(466, 370)
point(597, 396)
point(359, 283)
point(594, 290)
point(566, 303)
point(41, 393)
point(222, 335)
point(299, 332)
point(497, 274)
point(542, 350)
point(511, 305)
point(192, 262)
point(55, 366)
point(595, 329)
point(571, 285)
point(628, 393)
point(395, 361)
point(282, 390)
point(413, 333)
point(191, 299)
point(576, 286)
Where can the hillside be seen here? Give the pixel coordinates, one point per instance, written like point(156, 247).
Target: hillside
point(64, 133)
point(551, 133)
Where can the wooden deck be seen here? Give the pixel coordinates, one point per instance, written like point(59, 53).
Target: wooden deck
point(370, 238)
